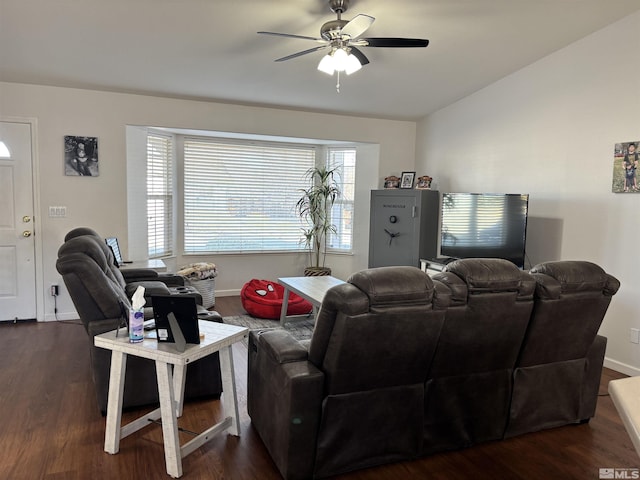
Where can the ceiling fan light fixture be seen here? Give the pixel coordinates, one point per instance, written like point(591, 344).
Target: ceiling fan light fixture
point(340, 57)
point(339, 60)
point(352, 64)
point(326, 65)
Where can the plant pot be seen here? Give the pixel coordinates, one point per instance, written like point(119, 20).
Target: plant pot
point(317, 271)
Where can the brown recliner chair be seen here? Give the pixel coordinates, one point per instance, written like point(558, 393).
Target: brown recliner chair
point(470, 382)
point(130, 278)
point(355, 398)
point(558, 372)
point(101, 303)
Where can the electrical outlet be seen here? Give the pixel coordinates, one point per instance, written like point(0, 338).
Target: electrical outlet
point(634, 335)
point(54, 290)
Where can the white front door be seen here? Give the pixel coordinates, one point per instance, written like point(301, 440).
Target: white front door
point(17, 245)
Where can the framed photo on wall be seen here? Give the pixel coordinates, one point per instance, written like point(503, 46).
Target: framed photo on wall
point(407, 179)
point(81, 156)
point(625, 166)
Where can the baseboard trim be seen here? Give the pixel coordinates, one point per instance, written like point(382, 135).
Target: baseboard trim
point(228, 293)
point(621, 367)
point(50, 317)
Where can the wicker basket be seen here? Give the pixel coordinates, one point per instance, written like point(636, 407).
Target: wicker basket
point(206, 288)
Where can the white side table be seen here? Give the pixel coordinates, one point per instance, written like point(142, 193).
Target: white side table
point(218, 337)
point(312, 289)
point(625, 393)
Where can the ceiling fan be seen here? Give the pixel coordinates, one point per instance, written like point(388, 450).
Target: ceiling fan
point(343, 40)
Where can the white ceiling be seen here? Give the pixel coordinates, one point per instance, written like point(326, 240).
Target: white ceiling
point(209, 49)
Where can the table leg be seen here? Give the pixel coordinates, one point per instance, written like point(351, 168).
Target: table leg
point(179, 382)
point(172, 454)
point(114, 402)
point(285, 307)
point(229, 395)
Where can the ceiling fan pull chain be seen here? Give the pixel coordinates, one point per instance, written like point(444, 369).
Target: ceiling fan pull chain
point(338, 81)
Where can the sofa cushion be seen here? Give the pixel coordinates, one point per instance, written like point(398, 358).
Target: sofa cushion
point(389, 286)
point(573, 276)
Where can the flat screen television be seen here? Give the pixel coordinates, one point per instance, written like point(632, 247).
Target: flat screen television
point(484, 225)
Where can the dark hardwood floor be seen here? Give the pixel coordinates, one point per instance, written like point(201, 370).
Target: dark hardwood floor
point(50, 427)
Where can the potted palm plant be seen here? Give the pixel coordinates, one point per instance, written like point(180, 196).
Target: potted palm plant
point(314, 210)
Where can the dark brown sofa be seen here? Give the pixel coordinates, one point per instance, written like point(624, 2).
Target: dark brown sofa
point(99, 295)
point(401, 365)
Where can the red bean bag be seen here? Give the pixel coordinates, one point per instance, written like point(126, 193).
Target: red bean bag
point(263, 299)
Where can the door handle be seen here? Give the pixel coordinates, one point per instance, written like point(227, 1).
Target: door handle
point(26, 234)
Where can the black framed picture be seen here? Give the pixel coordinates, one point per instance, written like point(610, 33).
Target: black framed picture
point(81, 156)
point(625, 164)
point(407, 179)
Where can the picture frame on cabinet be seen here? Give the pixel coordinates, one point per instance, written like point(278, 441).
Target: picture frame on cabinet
point(407, 179)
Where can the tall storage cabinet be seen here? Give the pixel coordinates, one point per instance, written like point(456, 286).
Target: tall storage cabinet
point(403, 226)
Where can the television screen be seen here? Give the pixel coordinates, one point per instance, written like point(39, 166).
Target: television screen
point(484, 225)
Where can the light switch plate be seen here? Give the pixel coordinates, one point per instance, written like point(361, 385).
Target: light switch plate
point(57, 212)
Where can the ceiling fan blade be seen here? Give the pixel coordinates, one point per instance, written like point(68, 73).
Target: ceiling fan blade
point(289, 35)
point(357, 26)
point(393, 42)
point(304, 52)
point(360, 56)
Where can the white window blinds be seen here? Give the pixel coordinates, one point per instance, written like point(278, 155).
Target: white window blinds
point(344, 159)
point(241, 196)
point(159, 195)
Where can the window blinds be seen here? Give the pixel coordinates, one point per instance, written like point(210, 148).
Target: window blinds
point(159, 195)
point(241, 196)
point(342, 212)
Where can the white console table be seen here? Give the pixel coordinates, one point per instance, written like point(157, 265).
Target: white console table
point(625, 393)
point(171, 366)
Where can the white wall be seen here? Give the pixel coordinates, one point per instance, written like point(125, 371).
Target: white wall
point(549, 130)
point(101, 202)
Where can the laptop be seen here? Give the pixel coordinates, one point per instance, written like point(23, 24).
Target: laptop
point(176, 319)
point(112, 242)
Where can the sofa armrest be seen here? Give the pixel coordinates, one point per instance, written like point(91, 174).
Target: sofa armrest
point(280, 346)
point(146, 274)
point(138, 274)
point(150, 288)
point(97, 327)
point(284, 400)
